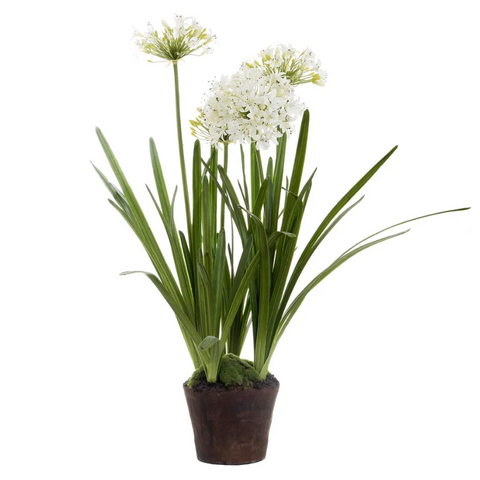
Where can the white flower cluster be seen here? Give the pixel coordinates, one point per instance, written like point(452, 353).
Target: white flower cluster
point(184, 38)
point(298, 66)
point(258, 103)
point(248, 106)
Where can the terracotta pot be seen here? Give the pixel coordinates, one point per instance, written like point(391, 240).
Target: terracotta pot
point(231, 426)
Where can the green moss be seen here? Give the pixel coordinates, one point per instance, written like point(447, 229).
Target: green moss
point(236, 372)
point(197, 376)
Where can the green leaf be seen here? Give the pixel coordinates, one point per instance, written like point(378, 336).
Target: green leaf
point(187, 255)
point(257, 209)
point(160, 181)
point(264, 294)
point(174, 305)
point(231, 200)
point(208, 241)
point(244, 176)
point(208, 342)
point(242, 265)
point(167, 215)
point(196, 237)
point(116, 194)
point(254, 173)
point(285, 252)
point(297, 172)
point(244, 197)
point(259, 164)
point(403, 223)
point(317, 236)
point(225, 168)
point(218, 279)
point(213, 162)
point(277, 180)
point(268, 210)
point(143, 228)
point(294, 306)
point(241, 291)
point(238, 298)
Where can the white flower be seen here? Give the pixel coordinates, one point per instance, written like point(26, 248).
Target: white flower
point(251, 105)
point(258, 103)
point(298, 66)
point(184, 38)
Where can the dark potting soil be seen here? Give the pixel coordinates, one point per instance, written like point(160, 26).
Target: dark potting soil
point(269, 382)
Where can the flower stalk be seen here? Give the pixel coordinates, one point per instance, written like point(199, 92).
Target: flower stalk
point(181, 153)
point(225, 168)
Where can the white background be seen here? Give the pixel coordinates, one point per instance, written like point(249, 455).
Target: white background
point(379, 370)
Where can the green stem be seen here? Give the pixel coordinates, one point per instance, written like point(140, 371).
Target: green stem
point(213, 365)
point(182, 156)
point(225, 168)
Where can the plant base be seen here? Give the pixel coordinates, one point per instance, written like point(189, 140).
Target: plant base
point(231, 426)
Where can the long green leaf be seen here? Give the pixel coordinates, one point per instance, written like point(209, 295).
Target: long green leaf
point(174, 305)
point(243, 288)
point(261, 197)
point(225, 168)
point(231, 201)
point(162, 190)
point(144, 230)
point(244, 176)
point(264, 293)
point(403, 223)
point(196, 237)
point(294, 306)
point(254, 173)
point(177, 252)
point(278, 179)
point(218, 279)
point(284, 257)
point(242, 265)
point(297, 171)
point(314, 241)
point(209, 301)
point(208, 241)
point(187, 256)
point(213, 193)
point(116, 194)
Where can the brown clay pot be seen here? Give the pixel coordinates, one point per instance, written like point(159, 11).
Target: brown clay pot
point(231, 426)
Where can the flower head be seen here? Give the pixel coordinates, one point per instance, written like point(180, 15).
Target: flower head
point(248, 106)
point(258, 103)
point(298, 66)
point(173, 43)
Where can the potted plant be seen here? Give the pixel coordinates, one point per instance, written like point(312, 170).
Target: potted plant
point(215, 289)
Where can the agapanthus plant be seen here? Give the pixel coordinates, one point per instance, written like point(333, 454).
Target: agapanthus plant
point(215, 292)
